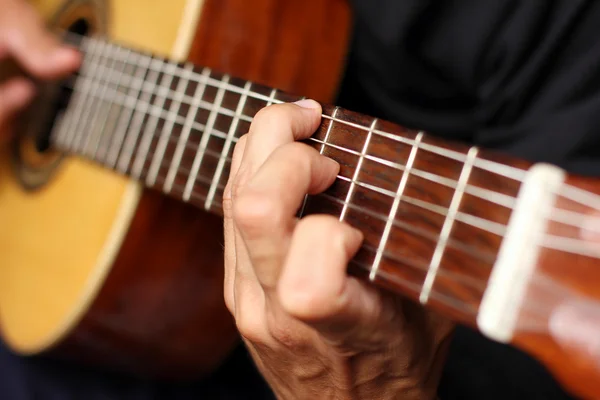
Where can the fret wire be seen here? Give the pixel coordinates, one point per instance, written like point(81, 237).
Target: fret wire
point(205, 137)
point(125, 118)
point(227, 146)
point(271, 99)
point(448, 223)
point(469, 219)
point(151, 124)
point(109, 123)
point(168, 126)
point(490, 166)
point(357, 169)
point(479, 192)
point(89, 104)
point(103, 108)
point(418, 264)
point(73, 114)
point(495, 197)
point(485, 194)
point(137, 119)
point(483, 256)
point(185, 133)
point(484, 224)
point(394, 208)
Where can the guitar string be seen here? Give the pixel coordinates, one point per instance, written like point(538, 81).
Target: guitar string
point(551, 241)
point(535, 307)
point(560, 215)
point(434, 294)
point(566, 190)
point(490, 166)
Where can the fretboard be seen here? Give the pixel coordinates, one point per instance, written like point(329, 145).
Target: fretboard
point(433, 213)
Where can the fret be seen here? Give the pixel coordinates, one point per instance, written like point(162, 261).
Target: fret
point(108, 124)
point(79, 98)
point(168, 126)
point(357, 169)
point(152, 123)
point(139, 115)
point(228, 141)
point(394, 208)
point(89, 105)
point(185, 134)
point(271, 99)
point(205, 137)
point(104, 104)
point(125, 118)
point(447, 227)
point(329, 128)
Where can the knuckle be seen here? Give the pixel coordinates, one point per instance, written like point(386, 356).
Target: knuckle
point(271, 116)
point(250, 326)
point(239, 146)
point(255, 213)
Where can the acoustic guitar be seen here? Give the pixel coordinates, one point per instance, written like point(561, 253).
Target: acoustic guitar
point(110, 196)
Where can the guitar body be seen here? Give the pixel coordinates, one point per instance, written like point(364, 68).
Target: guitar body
point(96, 268)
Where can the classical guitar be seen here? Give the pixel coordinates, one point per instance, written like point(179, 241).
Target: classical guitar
point(111, 197)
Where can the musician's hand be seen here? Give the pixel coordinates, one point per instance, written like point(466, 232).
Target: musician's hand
point(313, 331)
point(24, 38)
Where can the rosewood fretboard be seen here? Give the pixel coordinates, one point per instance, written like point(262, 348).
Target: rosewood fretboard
point(433, 213)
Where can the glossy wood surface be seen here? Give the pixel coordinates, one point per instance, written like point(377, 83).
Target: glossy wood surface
point(54, 242)
point(296, 46)
point(379, 161)
point(567, 283)
point(161, 310)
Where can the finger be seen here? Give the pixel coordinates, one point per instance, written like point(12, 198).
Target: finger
point(277, 125)
point(14, 96)
point(24, 37)
point(314, 286)
point(229, 228)
point(265, 209)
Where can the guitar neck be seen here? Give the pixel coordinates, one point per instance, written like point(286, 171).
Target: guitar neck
point(435, 214)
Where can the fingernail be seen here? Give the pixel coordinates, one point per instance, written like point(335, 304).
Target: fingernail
point(331, 163)
point(307, 103)
point(358, 235)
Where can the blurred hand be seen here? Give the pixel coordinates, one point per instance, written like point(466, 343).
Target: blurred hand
point(24, 38)
point(313, 331)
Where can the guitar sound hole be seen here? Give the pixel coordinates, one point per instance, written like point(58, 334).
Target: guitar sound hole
point(60, 102)
point(35, 159)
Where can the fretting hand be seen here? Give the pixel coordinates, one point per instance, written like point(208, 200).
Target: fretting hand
point(24, 38)
point(313, 331)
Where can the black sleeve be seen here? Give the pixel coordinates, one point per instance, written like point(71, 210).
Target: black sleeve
point(504, 74)
point(518, 76)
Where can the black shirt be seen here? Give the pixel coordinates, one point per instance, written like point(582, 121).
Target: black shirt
point(519, 76)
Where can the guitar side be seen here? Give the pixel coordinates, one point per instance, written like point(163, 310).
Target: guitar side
point(96, 268)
